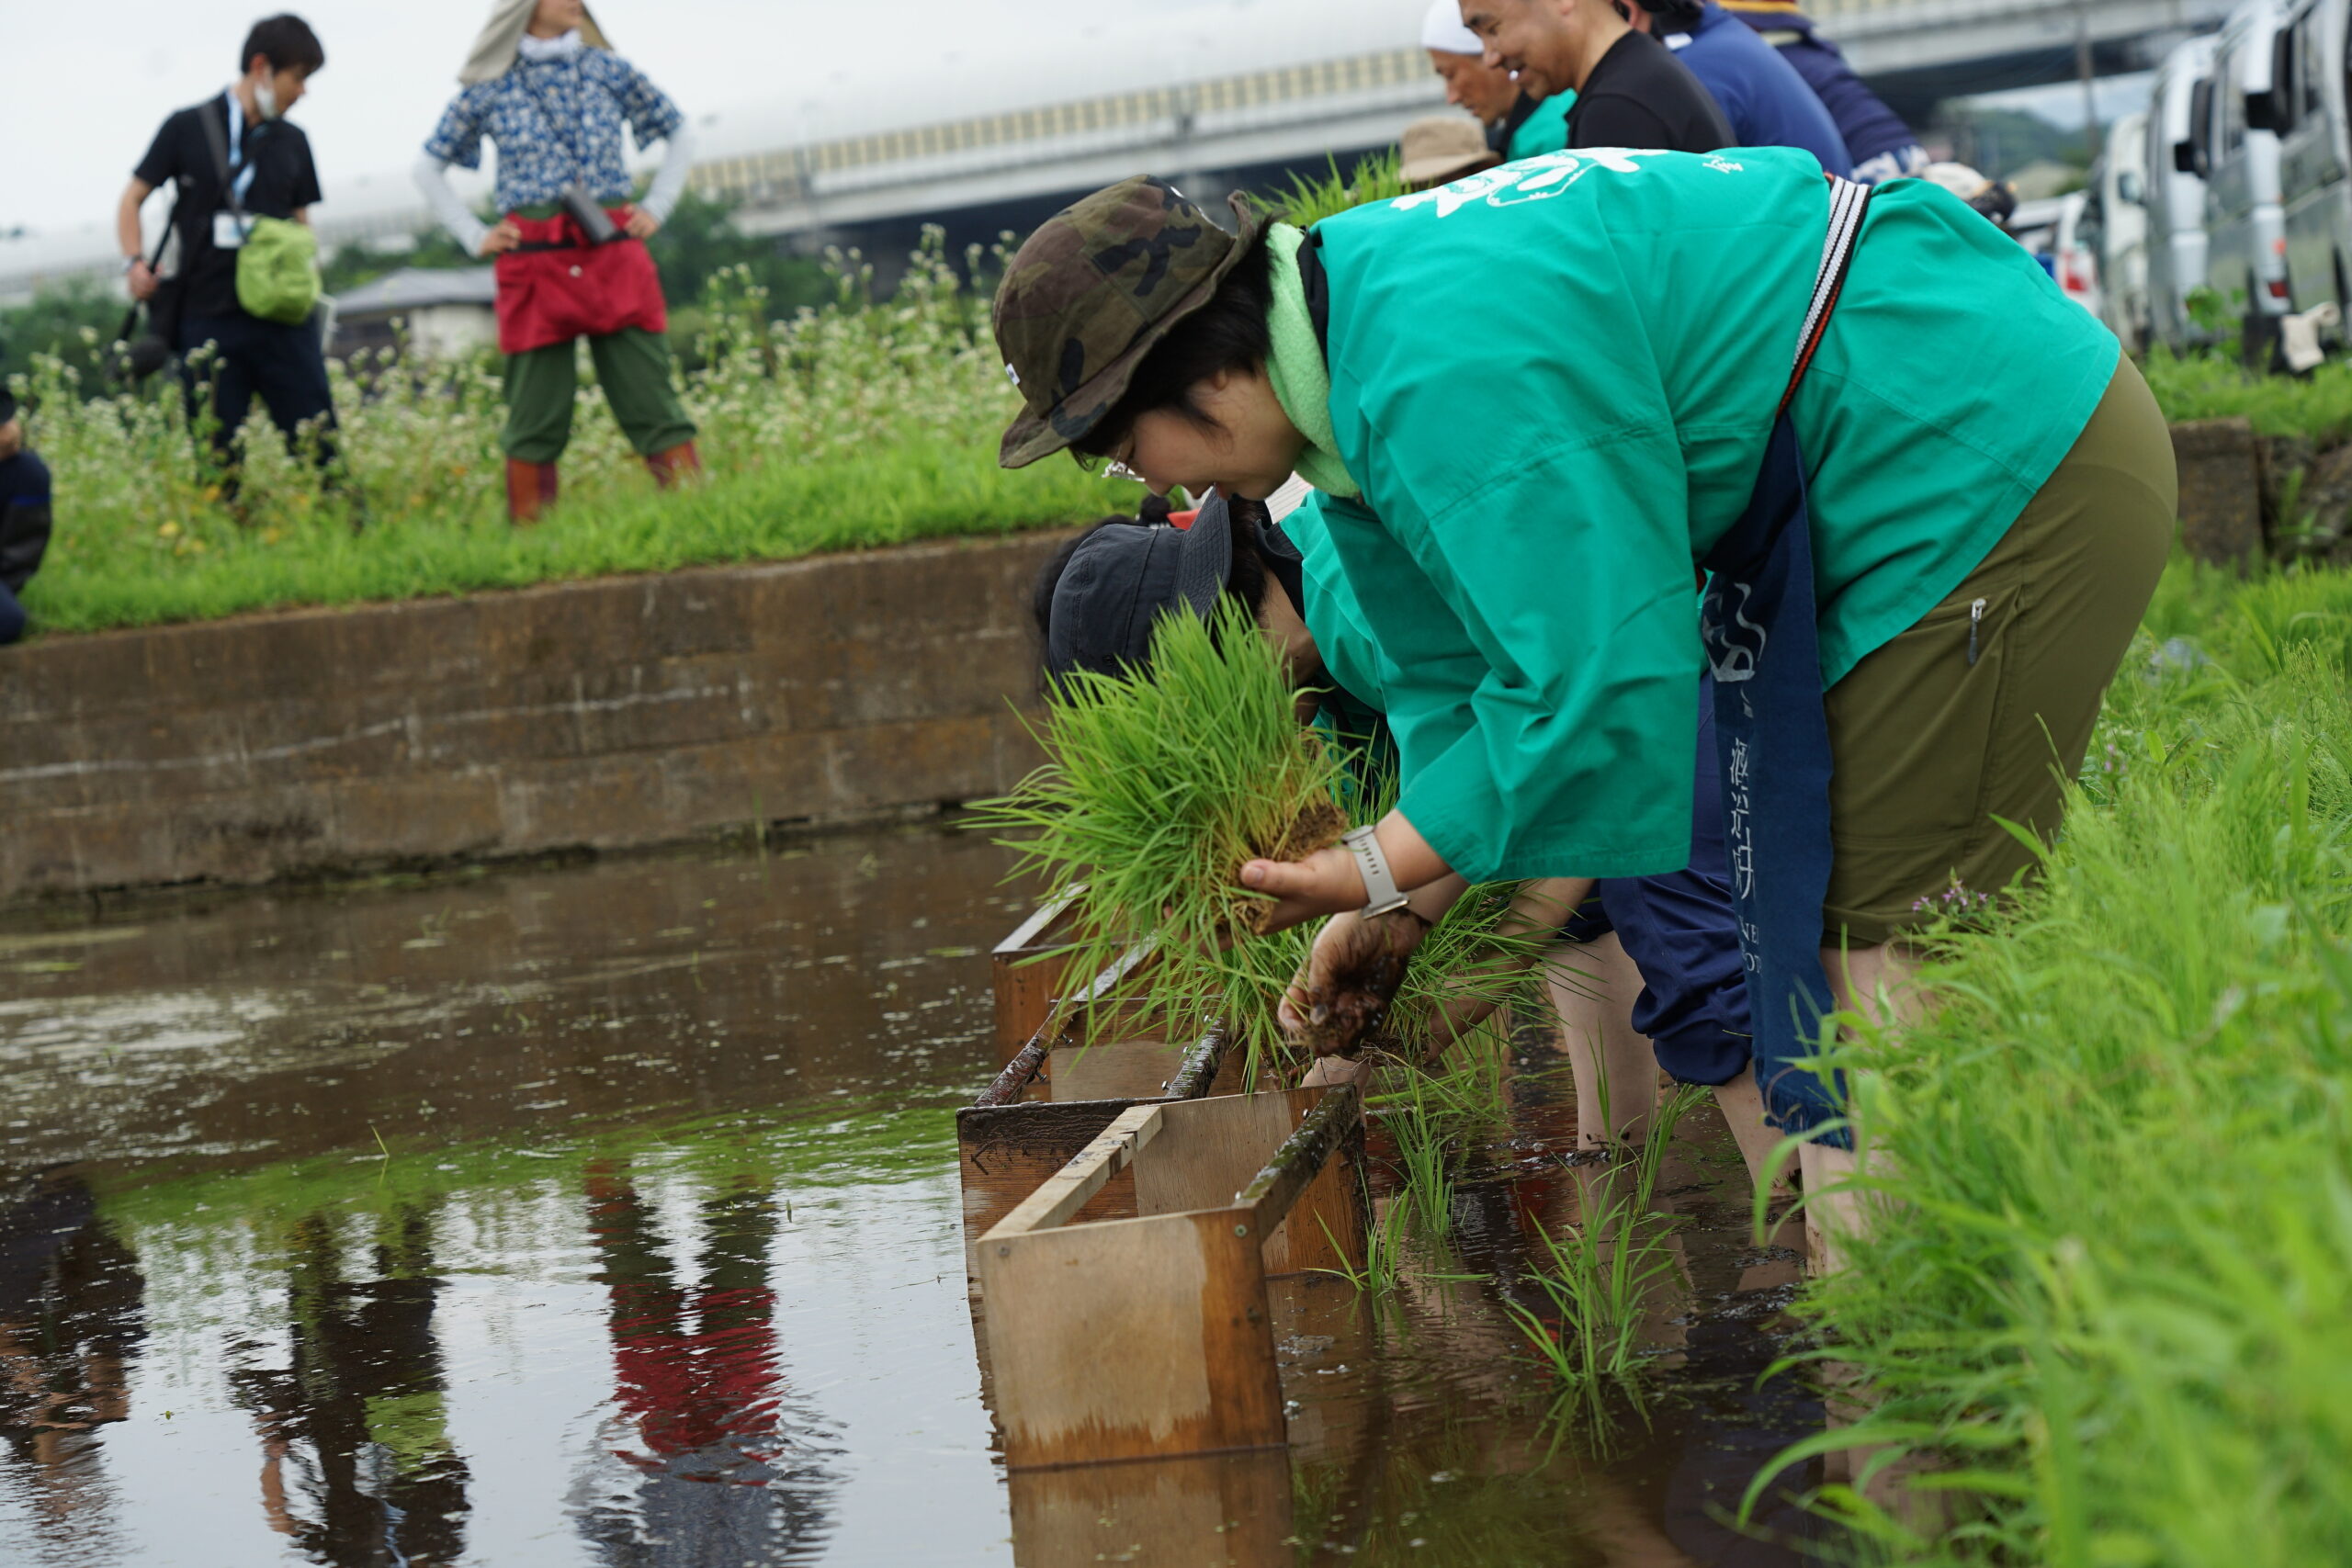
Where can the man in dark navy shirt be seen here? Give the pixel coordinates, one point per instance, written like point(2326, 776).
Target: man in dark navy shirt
point(1767, 104)
point(1629, 91)
point(1883, 147)
point(235, 157)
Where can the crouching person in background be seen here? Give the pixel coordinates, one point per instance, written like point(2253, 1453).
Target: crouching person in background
point(543, 84)
point(24, 517)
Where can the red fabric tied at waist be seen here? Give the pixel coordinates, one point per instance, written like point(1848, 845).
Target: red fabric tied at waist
point(576, 289)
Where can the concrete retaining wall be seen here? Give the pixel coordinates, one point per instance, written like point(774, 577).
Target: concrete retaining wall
point(621, 711)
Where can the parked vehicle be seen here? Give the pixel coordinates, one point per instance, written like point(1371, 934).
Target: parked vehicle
point(2237, 151)
point(2115, 228)
point(2309, 113)
point(2177, 191)
point(2074, 261)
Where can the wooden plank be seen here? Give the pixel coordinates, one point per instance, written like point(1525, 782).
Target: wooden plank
point(1325, 1227)
point(1005, 1151)
point(1302, 1156)
point(1063, 1194)
point(1202, 1064)
point(1228, 1510)
point(1026, 970)
point(1030, 935)
point(1130, 1338)
point(1114, 1069)
point(1025, 1067)
point(1215, 1148)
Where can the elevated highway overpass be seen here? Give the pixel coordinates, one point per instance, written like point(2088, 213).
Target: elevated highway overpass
point(1210, 131)
point(998, 144)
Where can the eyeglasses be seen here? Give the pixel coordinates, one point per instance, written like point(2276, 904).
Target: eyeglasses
point(1106, 465)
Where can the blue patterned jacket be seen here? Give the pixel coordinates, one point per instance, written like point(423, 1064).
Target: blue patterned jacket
point(556, 122)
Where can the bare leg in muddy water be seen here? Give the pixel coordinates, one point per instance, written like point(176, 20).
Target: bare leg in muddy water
point(1875, 982)
point(1593, 987)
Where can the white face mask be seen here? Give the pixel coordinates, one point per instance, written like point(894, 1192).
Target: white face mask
point(266, 98)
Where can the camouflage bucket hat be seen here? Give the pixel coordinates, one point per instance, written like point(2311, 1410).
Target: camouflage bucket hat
point(1092, 291)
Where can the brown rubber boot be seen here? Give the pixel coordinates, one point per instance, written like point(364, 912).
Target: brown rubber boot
point(530, 491)
point(673, 466)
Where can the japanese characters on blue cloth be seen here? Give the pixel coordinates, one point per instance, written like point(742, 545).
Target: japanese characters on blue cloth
point(556, 122)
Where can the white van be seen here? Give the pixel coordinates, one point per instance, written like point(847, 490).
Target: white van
point(2176, 192)
point(2074, 254)
point(2308, 112)
point(2245, 232)
point(2115, 227)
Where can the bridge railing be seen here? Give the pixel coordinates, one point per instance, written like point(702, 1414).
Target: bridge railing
point(1251, 101)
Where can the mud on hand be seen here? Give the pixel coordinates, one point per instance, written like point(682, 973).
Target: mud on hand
point(1343, 1000)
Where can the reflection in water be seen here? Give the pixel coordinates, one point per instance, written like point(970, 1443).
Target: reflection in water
point(478, 1214)
point(357, 1465)
point(596, 1215)
point(723, 1478)
point(70, 1325)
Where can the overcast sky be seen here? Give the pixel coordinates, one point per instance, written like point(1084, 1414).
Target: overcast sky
point(87, 82)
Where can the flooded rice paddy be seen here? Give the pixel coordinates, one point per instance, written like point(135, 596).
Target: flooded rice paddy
point(606, 1214)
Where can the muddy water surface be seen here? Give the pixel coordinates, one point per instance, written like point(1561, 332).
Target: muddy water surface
point(606, 1214)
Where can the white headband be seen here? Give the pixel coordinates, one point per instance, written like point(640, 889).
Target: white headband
point(1442, 30)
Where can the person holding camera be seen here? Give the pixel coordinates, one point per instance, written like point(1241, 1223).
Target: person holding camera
point(543, 84)
point(24, 517)
point(247, 281)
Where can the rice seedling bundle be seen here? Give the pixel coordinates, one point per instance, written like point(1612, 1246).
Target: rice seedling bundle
point(1158, 790)
point(1376, 176)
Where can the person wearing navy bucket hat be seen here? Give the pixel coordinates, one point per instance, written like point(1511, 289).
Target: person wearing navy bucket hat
point(1930, 498)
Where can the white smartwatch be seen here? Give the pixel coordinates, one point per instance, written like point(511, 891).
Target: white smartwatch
point(1381, 894)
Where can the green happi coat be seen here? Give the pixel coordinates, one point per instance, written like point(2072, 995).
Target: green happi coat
point(1554, 382)
point(1544, 130)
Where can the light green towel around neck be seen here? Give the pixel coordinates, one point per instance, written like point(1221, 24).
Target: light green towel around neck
point(1301, 382)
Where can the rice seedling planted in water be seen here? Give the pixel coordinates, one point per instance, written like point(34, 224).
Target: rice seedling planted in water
point(1599, 1272)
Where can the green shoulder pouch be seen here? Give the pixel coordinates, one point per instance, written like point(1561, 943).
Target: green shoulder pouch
point(277, 264)
point(277, 270)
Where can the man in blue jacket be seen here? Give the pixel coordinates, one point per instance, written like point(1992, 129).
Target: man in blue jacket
point(1767, 104)
point(1883, 147)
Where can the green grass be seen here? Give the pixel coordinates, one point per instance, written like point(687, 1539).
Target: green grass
point(2117, 1292)
point(118, 573)
point(863, 423)
point(2317, 408)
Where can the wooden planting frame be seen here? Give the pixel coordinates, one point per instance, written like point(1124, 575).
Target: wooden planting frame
point(1142, 1328)
point(1044, 1109)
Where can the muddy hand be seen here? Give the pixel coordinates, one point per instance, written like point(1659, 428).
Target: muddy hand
point(1351, 978)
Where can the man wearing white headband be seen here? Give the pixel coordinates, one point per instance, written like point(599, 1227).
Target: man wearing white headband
point(1517, 126)
point(543, 84)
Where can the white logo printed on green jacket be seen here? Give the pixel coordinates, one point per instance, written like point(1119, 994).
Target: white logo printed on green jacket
point(1531, 180)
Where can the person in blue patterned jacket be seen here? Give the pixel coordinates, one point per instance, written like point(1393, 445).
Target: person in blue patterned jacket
point(543, 84)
